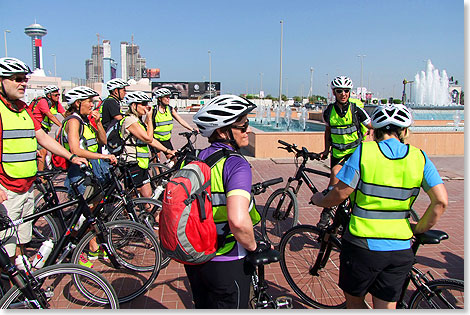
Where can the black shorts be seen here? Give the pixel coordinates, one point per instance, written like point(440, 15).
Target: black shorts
point(167, 144)
point(335, 161)
point(220, 284)
point(381, 274)
point(139, 176)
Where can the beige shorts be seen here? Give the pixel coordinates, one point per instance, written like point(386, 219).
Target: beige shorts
point(18, 206)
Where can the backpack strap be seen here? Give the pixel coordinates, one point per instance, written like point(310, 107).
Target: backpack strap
point(215, 157)
point(80, 132)
point(355, 120)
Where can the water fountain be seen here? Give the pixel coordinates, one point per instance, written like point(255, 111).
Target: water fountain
point(303, 118)
point(288, 117)
point(431, 88)
point(277, 117)
point(268, 115)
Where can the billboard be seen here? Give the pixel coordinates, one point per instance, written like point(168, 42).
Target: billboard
point(185, 90)
point(151, 73)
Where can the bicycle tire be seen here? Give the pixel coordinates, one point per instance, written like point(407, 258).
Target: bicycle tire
point(446, 294)
point(141, 247)
point(299, 250)
point(144, 217)
point(273, 228)
point(58, 276)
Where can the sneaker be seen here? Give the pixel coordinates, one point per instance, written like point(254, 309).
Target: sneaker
point(324, 219)
point(99, 253)
point(85, 262)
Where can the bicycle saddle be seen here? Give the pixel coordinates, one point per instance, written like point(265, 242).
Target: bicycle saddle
point(431, 237)
point(264, 257)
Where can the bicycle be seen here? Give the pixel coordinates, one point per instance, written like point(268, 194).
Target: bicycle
point(310, 264)
point(132, 249)
point(281, 210)
point(53, 286)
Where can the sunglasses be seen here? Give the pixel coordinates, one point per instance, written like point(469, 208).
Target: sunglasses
point(55, 94)
point(242, 128)
point(19, 79)
point(339, 91)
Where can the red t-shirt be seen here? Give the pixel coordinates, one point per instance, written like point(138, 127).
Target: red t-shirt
point(42, 107)
point(17, 185)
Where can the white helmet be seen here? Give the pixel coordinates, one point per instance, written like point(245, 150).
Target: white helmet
point(394, 114)
point(10, 66)
point(116, 83)
point(341, 82)
point(136, 97)
point(221, 111)
point(50, 88)
point(79, 93)
point(161, 92)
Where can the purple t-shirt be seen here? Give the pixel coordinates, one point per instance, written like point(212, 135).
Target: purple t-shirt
point(236, 175)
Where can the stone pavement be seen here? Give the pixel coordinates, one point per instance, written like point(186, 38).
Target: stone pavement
point(171, 289)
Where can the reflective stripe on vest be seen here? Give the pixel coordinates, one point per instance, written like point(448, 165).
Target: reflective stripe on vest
point(46, 122)
point(163, 124)
point(19, 143)
point(385, 193)
point(344, 133)
point(142, 149)
point(219, 208)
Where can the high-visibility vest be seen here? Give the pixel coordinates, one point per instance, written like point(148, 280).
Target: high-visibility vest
point(163, 124)
point(87, 136)
point(345, 136)
point(19, 143)
point(219, 208)
point(360, 104)
point(142, 149)
point(385, 193)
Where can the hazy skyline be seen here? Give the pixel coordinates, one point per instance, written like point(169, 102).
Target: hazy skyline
point(244, 40)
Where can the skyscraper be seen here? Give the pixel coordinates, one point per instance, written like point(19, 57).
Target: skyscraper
point(36, 32)
point(94, 67)
point(132, 63)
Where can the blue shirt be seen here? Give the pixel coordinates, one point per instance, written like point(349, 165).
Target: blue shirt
point(350, 175)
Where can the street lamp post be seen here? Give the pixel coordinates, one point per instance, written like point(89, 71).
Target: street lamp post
point(280, 72)
point(328, 87)
point(210, 75)
point(261, 84)
point(5, 35)
point(362, 60)
point(310, 91)
point(55, 67)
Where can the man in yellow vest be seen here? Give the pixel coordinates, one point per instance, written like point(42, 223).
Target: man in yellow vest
point(20, 135)
point(383, 179)
point(44, 111)
point(343, 130)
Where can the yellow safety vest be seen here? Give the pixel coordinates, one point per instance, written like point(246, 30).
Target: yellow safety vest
point(385, 193)
point(142, 149)
point(360, 104)
point(344, 134)
point(163, 124)
point(219, 208)
point(87, 135)
point(19, 143)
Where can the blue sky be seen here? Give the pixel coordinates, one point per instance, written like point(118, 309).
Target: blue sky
point(244, 39)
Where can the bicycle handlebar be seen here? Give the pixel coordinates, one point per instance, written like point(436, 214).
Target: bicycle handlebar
point(188, 134)
point(260, 187)
point(302, 152)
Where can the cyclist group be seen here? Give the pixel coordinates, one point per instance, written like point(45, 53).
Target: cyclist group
point(381, 177)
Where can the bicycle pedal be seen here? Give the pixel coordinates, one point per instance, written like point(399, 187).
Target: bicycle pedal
point(284, 302)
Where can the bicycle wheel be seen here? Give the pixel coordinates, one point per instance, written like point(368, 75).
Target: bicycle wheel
point(57, 284)
point(279, 215)
point(299, 248)
point(138, 257)
point(445, 294)
point(156, 169)
point(147, 211)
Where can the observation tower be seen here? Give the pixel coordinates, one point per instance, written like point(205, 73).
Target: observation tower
point(36, 32)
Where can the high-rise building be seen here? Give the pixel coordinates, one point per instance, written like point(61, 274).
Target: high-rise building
point(132, 63)
point(36, 32)
point(94, 66)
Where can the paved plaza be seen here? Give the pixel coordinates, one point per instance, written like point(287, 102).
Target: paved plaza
point(171, 289)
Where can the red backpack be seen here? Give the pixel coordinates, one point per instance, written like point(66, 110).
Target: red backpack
point(186, 228)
